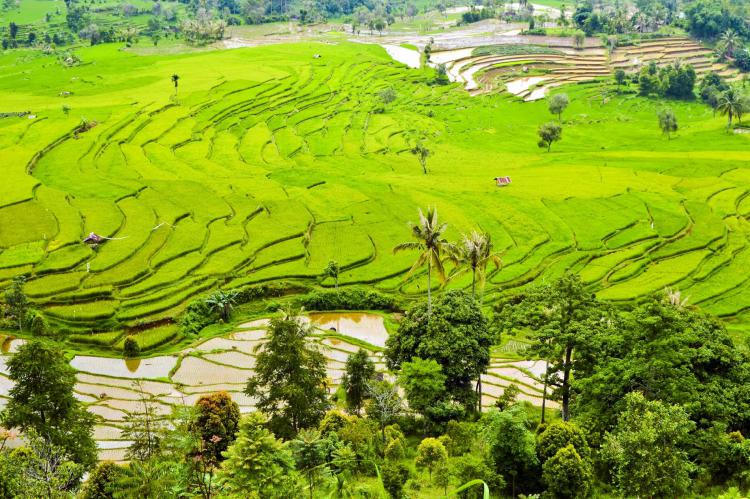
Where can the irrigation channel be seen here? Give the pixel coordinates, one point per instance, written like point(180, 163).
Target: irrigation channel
point(112, 387)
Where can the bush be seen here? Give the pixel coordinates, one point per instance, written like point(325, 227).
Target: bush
point(102, 481)
point(349, 299)
point(38, 325)
point(394, 475)
point(131, 348)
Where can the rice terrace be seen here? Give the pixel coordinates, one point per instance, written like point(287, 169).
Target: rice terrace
point(181, 182)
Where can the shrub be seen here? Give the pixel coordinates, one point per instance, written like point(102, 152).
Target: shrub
point(349, 299)
point(131, 348)
point(39, 326)
point(394, 475)
point(102, 481)
point(333, 421)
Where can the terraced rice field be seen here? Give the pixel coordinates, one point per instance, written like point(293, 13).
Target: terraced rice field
point(666, 51)
point(269, 162)
point(112, 388)
point(531, 71)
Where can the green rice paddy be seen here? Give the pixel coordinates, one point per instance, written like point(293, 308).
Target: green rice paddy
point(269, 162)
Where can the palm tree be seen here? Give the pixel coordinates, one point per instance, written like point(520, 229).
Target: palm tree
point(731, 103)
point(431, 244)
point(727, 43)
point(475, 252)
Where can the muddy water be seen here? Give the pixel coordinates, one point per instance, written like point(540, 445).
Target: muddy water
point(155, 367)
point(362, 326)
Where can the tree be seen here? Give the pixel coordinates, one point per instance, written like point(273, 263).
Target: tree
point(257, 462)
point(175, 81)
point(559, 435)
point(385, 403)
point(358, 373)
point(646, 450)
point(290, 378)
point(728, 43)
point(309, 454)
point(394, 475)
point(42, 400)
point(143, 428)
point(474, 253)
point(431, 453)
point(147, 479)
point(387, 95)
point(102, 481)
point(508, 398)
point(422, 153)
point(667, 121)
point(620, 77)
point(511, 445)
point(217, 421)
point(222, 302)
point(456, 336)
point(473, 466)
point(567, 475)
point(130, 348)
point(332, 270)
point(671, 353)
point(18, 303)
point(579, 37)
point(562, 314)
point(557, 104)
point(732, 103)
point(432, 246)
point(423, 382)
point(548, 133)
point(45, 469)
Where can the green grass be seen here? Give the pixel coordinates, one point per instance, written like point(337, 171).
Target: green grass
point(269, 163)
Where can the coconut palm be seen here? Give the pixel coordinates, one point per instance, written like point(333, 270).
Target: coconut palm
point(732, 103)
point(431, 245)
point(474, 253)
point(727, 43)
point(175, 80)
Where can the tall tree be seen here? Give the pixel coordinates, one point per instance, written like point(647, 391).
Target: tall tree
point(42, 400)
point(561, 315)
point(18, 303)
point(358, 373)
point(432, 246)
point(457, 337)
point(475, 253)
point(290, 378)
point(732, 102)
point(143, 427)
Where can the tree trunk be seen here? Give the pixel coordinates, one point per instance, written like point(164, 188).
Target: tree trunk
point(473, 280)
point(544, 392)
point(566, 385)
point(429, 288)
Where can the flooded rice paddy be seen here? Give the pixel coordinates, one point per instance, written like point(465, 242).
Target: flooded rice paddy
point(112, 387)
